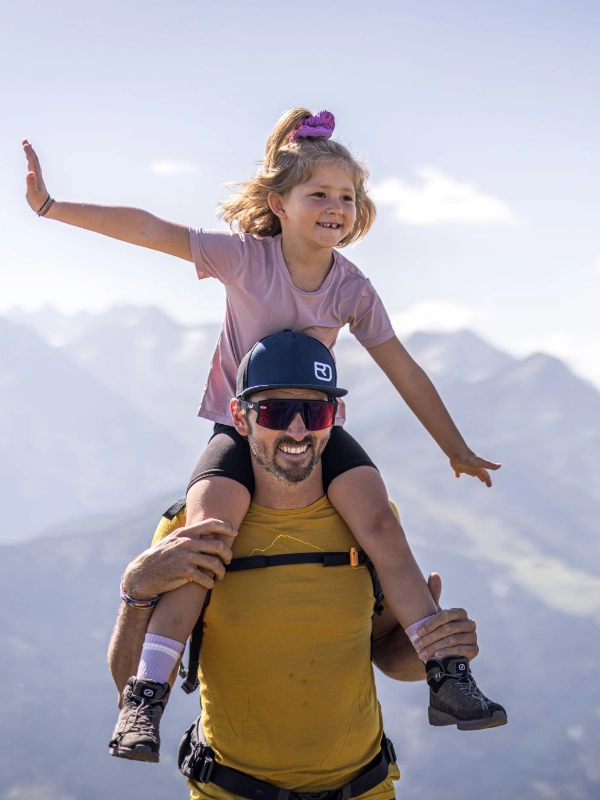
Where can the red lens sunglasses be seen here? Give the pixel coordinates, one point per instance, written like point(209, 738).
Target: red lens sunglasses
point(277, 414)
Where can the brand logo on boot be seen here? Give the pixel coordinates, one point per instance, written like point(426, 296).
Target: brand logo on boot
point(462, 667)
point(148, 693)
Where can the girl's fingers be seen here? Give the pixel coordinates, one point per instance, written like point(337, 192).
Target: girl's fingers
point(489, 464)
point(31, 165)
point(32, 158)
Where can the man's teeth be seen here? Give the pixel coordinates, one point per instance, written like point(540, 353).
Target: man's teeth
point(294, 450)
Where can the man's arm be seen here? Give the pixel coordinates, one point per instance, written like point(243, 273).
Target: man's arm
point(187, 554)
point(126, 642)
point(450, 632)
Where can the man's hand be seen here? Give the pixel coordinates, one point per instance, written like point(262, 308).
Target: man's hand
point(474, 465)
point(189, 554)
point(448, 633)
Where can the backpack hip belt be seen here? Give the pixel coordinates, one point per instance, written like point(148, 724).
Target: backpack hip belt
point(197, 761)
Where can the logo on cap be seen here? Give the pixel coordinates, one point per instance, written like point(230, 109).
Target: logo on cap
point(323, 372)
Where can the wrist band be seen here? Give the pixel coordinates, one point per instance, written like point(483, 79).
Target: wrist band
point(46, 206)
point(131, 601)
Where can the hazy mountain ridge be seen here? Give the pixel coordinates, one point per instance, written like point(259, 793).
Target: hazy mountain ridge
point(522, 557)
point(141, 354)
point(69, 445)
point(532, 414)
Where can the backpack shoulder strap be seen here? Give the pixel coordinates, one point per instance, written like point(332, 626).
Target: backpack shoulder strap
point(190, 673)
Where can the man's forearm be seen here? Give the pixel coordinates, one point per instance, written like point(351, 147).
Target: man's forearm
point(395, 656)
point(126, 643)
point(190, 553)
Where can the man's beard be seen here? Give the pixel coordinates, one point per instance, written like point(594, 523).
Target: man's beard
point(266, 457)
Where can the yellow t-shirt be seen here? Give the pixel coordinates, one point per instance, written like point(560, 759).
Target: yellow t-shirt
point(287, 686)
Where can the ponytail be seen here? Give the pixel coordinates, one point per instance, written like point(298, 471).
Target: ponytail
point(287, 164)
point(280, 135)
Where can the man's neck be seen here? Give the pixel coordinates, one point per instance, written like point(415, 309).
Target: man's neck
point(271, 492)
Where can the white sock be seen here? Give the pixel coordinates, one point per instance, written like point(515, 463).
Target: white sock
point(159, 656)
point(412, 634)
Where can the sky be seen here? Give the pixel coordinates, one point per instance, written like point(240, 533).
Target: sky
point(479, 122)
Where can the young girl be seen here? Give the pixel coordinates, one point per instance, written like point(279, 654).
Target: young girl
point(281, 270)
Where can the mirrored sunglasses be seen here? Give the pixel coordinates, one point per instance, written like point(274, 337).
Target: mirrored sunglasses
point(277, 414)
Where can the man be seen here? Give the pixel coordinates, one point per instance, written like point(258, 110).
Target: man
point(287, 687)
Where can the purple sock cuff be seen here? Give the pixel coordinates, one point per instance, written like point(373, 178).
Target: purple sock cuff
point(172, 644)
point(411, 631)
point(159, 656)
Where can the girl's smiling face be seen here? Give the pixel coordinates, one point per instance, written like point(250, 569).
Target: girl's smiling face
point(321, 211)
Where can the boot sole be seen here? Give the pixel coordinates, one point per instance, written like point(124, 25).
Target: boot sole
point(439, 718)
point(137, 754)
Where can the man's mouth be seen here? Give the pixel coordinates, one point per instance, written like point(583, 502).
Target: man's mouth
point(295, 450)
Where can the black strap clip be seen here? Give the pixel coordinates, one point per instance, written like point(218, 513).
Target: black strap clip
point(206, 768)
point(189, 685)
point(391, 753)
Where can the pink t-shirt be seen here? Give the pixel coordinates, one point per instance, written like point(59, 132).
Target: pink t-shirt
point(262, 299)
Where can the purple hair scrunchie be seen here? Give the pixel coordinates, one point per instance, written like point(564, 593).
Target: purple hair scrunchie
point(321, 125)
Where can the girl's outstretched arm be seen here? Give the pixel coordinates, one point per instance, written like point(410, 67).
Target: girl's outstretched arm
point(420, 395)
point(119, 222)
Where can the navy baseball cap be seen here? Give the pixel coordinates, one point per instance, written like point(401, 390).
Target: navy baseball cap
point(288, 360)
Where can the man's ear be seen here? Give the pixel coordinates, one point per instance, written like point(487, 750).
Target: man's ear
point(238, 417)
point(276, 204)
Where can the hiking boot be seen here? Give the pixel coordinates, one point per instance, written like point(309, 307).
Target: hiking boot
point(455, 699)
point(136, 735)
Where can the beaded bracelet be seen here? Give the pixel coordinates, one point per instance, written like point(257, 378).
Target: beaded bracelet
point(46, 206)
point(131, 601)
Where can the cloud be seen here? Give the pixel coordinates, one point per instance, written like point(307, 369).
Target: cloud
point(169, 167)
point(437, 198)
point(438, 316)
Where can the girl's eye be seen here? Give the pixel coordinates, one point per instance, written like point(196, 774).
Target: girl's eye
point(318, 194)
point(349, 197)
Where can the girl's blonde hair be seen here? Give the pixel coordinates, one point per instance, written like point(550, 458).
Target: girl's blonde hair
point(285, 165)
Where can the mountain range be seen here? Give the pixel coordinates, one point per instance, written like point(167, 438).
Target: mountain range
point(522, 557)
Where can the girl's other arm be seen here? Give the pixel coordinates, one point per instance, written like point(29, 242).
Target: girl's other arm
point(119, 222)
point(421, 396)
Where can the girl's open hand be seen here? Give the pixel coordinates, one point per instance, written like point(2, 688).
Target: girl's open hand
point(472, 464)
point(36, 192)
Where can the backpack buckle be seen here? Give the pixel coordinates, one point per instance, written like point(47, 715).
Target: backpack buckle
point(206, 769)
point(391, 753)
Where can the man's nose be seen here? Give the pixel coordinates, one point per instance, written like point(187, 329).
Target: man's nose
point(297, 428)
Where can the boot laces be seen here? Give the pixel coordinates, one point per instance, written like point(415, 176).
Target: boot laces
point(142, 718)
point(466, 683)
